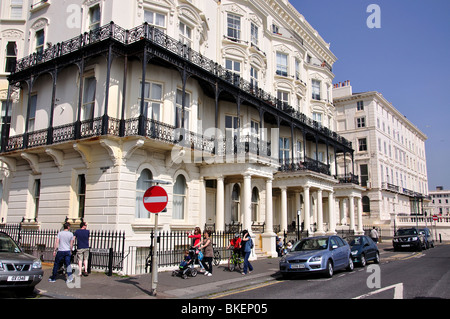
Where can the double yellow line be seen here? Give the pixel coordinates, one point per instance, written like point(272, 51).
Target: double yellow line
point(245, 289)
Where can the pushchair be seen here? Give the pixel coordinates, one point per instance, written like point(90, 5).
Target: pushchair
point(187, 266)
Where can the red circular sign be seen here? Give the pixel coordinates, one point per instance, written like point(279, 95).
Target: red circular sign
point(435, 217)
point(155, 199)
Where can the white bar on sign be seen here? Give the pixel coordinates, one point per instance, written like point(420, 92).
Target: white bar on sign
point(155, 199)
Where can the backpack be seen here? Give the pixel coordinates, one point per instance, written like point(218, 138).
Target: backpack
point(251, 243)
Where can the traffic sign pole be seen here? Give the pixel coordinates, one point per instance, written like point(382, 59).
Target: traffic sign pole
point(155, 201)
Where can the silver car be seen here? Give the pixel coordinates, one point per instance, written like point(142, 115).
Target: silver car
point(17, 269)
point(323, 254)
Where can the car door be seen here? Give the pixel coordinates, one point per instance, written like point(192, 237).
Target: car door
point(369, 249)
point(344, 251)
point(337, 252)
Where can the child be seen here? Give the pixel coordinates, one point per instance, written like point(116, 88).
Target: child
point(236, 244)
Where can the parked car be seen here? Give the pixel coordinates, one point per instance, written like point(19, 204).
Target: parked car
point(17, 269)
point(323, 254)
point(409, 238)
point(428, 237)
point(363, 249)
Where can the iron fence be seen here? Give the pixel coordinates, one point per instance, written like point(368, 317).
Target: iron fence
point(40, 243)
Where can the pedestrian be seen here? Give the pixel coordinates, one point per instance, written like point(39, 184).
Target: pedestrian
point(62, 252)
point(208, 252)
point(236, 244)
point(374, 234)
point(82, 236)
point(248, 245)
point(196, 236)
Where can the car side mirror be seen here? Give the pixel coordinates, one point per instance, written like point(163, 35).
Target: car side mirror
point(334, 247)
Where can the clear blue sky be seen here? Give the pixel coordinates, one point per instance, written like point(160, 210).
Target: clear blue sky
point(407, 60)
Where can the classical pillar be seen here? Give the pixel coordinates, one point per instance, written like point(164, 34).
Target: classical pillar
point(220, 215)
point(283, 224)
point(360, 229)
point(352, 213)
point(332, 218)
point(307, 212)
point(247, 203)
point(202, 203)
point(269, 237)
point(320, 230)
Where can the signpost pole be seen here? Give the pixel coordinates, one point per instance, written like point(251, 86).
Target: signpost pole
point(155, 258)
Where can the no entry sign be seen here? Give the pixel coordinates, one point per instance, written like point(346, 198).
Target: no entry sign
point(155, 199)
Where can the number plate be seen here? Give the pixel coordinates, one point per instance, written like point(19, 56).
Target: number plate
point(18, 278)
point(405, 245)
point(298, 266)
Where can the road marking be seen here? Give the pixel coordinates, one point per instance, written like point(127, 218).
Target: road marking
point(398, 291)
point(237, 291)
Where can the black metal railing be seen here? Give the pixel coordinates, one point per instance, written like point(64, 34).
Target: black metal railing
point(157, 37)
point(307, 163)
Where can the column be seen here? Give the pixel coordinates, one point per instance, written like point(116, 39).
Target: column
point(247, 203)
point(202, 203)
point(269, 237)
point(331, 206)
point(307, 212)
point(360, 229)
point(319, 213)
point(220, 215)
point(344, 211)
point(283, 224)
point(352, 213)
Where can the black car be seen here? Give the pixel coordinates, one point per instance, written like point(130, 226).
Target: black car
point(409, 238)
point(363, 249)
point(428, 237)
point(17, 269)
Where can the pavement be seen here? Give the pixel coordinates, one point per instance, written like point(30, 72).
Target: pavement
point(100, 286)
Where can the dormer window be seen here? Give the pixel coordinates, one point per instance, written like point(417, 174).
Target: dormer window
point(94, 17)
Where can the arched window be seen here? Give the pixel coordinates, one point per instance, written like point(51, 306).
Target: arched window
point(179, 197)
point(366, 204)
point(255, 204)
point(143, 183)
point(235, 203)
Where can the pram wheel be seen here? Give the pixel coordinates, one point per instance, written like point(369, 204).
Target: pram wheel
point(174, 273)
point(184, 276)
point(193, 272)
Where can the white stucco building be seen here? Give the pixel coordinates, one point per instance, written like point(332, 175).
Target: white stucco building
point(389, 153)
point(228, 101)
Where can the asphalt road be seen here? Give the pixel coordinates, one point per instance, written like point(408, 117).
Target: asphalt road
point(400, 275)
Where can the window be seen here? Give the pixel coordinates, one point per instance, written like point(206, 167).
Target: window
point(234, 26)
point(235, 203)
point(317, 117)
point(32, 113)
point(5, 120)
point(81, 194)
point(316, 90)
point(143, 183)
point(255, 204)
point(284, 150)
point(233, 66)
point(179, 197)
point(360, 106)
point(366, 205)
point(299, 149)
point(361, 122)
point(364, 171)
point(282, 64)
point(156, 19)
point(94, 17)
point(275, 29)
point(283, 98)
point(254, 77)
point(179, 109)
point(254, 128)
point(362, 142)
point(11, 56)
point(254, 34)
point(16, 9)
point(185, 34)
point(36, 196)
point(153, 94)
point(87, 109)
point(297, 69)
point(40, 38)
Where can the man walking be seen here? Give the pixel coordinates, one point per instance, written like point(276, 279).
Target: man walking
point(82, 236)
point(63, 251)
point(374, 235)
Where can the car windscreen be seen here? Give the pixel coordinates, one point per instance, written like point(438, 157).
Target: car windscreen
point(7, 245)
point(311, 244)
point(406, 232)
point(355, 241)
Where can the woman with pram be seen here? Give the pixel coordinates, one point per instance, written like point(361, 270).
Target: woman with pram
point(196, 236)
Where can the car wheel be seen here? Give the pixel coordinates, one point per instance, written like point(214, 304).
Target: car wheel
point(377, 258)
point(419, 247)
point(329, 271)
point(363, 261)
point(350, 266)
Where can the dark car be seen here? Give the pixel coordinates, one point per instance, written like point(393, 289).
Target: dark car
point(17, 269)
point(323, 254)
point(428, 237)
point(409, 238)
point(363, 249)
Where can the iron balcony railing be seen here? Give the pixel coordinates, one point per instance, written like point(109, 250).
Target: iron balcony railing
point(306, 163)
point(157, 37)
